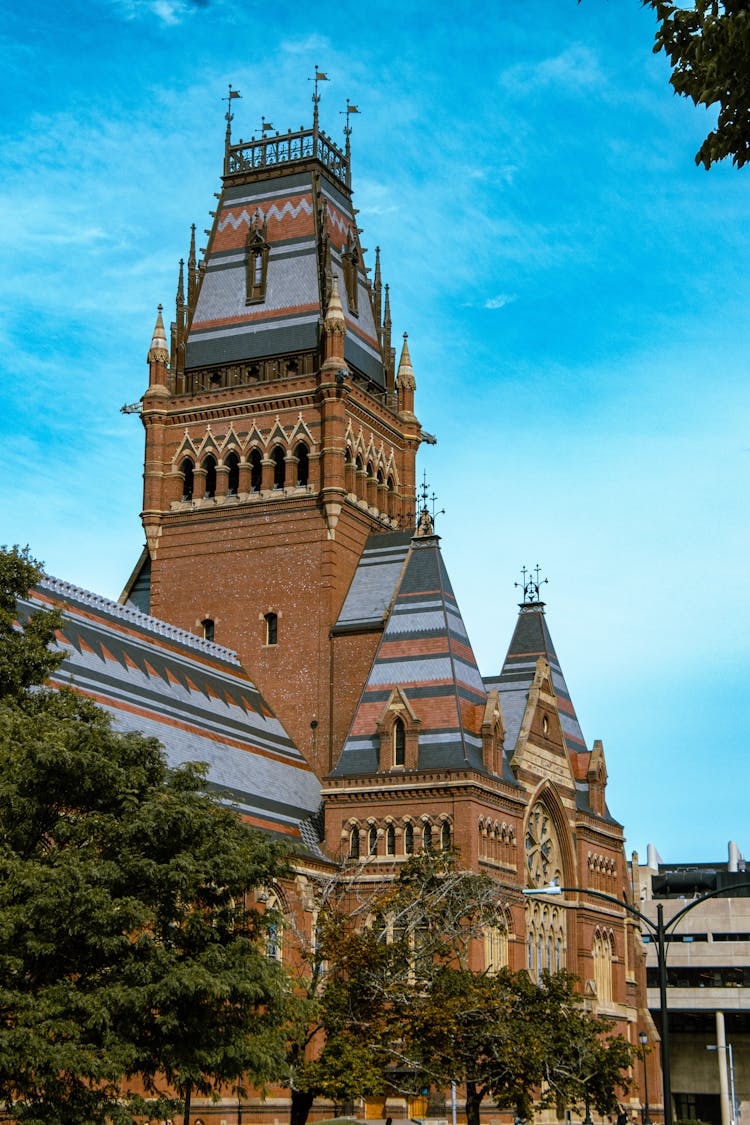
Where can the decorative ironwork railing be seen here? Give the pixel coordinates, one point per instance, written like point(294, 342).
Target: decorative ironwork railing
point(267, 152)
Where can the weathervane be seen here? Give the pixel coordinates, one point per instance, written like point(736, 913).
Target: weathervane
point(350, 109)
point(530, 585)
point(319, 77)
point(427, 513)
point(229, 115)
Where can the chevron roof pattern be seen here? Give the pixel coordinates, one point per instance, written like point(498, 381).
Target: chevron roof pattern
point(426, 654)
point(190, 694)
point(225, 328)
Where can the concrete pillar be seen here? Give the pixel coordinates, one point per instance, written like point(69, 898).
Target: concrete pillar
point(721, 1054)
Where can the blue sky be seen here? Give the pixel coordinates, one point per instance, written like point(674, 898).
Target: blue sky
point(574, 288)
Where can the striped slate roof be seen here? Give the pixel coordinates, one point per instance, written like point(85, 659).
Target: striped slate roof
point(224, 328)
point(190, 694)
point(425, 653)
point(375, 579)
point(531, 639)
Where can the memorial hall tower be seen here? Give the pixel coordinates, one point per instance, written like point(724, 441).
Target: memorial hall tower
point(280, 432)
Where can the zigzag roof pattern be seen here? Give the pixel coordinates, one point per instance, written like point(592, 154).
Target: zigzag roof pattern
point(425, 653)
point(190, 694)
point(301, 212)
point(531, 639)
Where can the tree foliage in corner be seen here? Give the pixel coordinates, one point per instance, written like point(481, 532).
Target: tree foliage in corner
point(129, 948)
point(708, 46)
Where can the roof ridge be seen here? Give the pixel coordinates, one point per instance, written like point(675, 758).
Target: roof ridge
point(451, 657)
point(135, 617)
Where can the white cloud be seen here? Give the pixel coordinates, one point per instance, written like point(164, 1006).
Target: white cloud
point(499, 302)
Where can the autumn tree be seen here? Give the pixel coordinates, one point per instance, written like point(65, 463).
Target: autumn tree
point(130, 947)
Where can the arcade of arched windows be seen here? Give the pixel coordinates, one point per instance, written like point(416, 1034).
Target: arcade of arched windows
point(371, 483)
point(497, 843)
point(237, 474)
point(545, 939)
point(603, 956)
point(602, 872)
point(389, 838)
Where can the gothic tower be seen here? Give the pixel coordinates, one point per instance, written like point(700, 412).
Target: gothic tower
point(279, 434)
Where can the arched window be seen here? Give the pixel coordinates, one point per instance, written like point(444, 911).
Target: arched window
point(279, 467)
point(272, 628)
point(399, 743)
point(409, 839)
point(427, 837)
point(390, 840)
point(372, 841)
point(275, 931)
point(602, 956)
point(303, 463)
point(256, 470)
point(354, 843)
point(210, 466)
point(208, 628)
point(445, 836)
point(496, 946)
point(186, 468)
point(232, 462)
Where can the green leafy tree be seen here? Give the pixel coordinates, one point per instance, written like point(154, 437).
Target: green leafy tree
point(588, 1066)
point(131, 955)
point(708, 46)
point(482, 1031)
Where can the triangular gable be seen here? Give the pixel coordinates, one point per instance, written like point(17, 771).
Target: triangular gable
point(424, 653)
point(531, 640)
point(541, 749)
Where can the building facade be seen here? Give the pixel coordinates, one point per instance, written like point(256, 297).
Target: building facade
point(285, 546)
point(708, 974)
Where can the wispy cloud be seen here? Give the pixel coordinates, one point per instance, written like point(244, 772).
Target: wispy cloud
point(576, 68)
point(168, 12)
point(499, 302)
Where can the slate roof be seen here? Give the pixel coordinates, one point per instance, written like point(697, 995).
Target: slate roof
point(531, 639)
point(375, 579)
point(224, 328)
point(190, 694)
point(425, 652)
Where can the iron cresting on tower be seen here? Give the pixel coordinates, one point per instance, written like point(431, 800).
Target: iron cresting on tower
point(279, 432)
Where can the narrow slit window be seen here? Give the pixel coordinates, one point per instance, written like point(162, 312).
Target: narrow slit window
point(399, 743)
point(390, 840)
point(372, 841)
point(210, 466)
point(303, 463)
point(354, 844)
point(207, 625)
point(272, 628)
point(233, 477)
point(409, 839)
point(279, 467)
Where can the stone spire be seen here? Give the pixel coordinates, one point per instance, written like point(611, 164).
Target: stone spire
point(405, 382)
point(158, 357)
point(192, 280)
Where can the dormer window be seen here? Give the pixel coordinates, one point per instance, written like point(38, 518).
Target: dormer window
point(256, 249)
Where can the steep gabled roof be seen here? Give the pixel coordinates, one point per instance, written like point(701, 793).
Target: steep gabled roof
point(425, 652)
point(190, 694)
point(531, 639)
point(293, 190)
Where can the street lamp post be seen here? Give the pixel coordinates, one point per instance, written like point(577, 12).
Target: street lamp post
point(662, 933)
point(643, 1039)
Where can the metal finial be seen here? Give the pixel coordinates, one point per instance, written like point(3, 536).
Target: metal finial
point(320, 76)
point(530, 584)
point(428, 501)
point(229, 116)
point(350, 109)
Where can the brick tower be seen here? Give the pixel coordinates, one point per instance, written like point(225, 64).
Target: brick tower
point(279, 434)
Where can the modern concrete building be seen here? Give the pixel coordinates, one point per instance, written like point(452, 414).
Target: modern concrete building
point(708, 974)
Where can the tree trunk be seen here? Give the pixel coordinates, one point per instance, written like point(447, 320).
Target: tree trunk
point(473, 1102)
point(188, 1091)
point(302, 1101)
